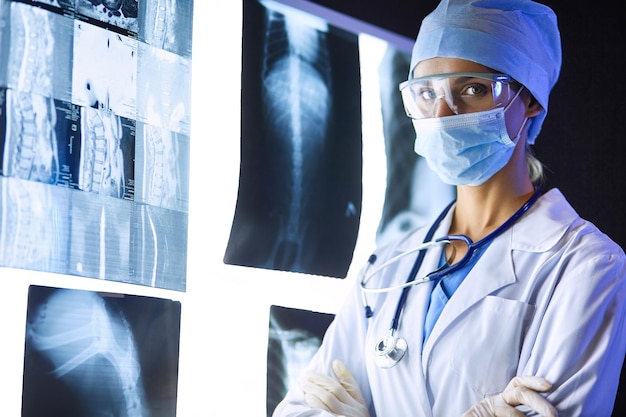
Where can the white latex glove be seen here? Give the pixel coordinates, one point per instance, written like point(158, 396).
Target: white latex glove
point(522, 390)
point(341, 396)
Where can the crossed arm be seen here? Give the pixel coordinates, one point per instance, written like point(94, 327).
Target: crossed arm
point(341, 396)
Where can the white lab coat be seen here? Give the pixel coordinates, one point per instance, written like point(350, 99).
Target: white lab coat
point(547, 298)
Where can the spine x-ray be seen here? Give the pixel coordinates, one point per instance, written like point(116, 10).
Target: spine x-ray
point(299, 200)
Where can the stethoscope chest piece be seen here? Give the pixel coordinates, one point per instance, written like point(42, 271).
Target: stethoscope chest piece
point(389, 351)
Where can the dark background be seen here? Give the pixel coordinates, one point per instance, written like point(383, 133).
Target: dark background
point(581, 144)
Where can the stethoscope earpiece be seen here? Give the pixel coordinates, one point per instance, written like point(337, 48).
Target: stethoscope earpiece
point(389, 351)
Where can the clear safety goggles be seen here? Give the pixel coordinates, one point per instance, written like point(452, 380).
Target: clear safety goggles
point(463, 92)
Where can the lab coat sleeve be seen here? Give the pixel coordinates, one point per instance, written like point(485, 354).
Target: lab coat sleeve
point(344, 341)
point(581, 341)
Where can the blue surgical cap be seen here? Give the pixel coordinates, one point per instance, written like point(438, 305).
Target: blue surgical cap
point(516, 37)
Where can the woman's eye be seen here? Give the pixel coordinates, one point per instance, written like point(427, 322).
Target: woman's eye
point(475, 90)
point(427, 94)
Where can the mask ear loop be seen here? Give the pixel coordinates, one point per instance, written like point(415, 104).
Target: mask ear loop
point(521, 128)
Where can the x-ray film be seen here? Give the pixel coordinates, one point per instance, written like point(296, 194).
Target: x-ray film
point(107, 154)
point(100, 237)
point(159, 250)
point(60, 143)
point(63, 7)
point(116, 15)
point(34, 232)
point(91, 353)
point(70, 131)
point(293, 338)
point(301, 152)
point(41, 140)
point(167, 25)
point(414, 193)
point(123, 241)
point(38, 55)
point(104, 74)
point(164, 80)
point(162, 168)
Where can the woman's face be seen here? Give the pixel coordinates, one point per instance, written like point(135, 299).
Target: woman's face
point(518, 110)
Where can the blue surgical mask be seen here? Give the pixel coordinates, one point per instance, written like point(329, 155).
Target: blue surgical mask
point(466, 149)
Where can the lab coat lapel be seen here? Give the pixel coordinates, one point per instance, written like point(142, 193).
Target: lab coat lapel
point(490, 273)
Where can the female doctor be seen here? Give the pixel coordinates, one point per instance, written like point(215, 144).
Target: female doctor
point(525, 311)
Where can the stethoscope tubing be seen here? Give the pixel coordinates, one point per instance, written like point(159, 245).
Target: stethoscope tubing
point(440, 272)
point(423, 246)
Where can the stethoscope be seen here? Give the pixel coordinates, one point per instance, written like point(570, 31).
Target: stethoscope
point(390, 349)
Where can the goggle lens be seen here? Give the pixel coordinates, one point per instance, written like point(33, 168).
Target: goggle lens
point(462, 92)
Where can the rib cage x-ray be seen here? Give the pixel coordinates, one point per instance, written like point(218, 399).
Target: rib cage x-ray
point(90, 348)
point(299, 198)
point(95, 354)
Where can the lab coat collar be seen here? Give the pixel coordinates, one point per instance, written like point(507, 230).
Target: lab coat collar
point(541, 231)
